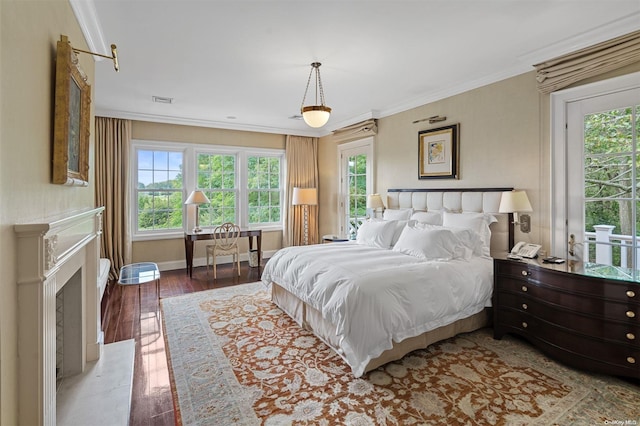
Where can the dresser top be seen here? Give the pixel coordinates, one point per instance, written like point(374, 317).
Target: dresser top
point(578, 268)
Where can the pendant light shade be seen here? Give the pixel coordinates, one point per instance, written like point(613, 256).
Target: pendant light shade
point(315, 115)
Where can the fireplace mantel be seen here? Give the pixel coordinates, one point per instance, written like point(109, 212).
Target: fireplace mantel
point(50, 252)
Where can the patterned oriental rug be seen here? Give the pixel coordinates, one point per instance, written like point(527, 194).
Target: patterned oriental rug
point(235, 358)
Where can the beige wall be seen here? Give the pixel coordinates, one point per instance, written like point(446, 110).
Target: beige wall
point(504, 141)
point(500, 144)
point(29, 31)
point(172, 250)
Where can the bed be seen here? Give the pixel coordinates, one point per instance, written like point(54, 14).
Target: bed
point(390, 292)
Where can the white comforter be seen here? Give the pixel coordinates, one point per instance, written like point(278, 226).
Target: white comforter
point(376, 296)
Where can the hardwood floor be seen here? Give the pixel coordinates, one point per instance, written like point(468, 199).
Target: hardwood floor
point(129, 318)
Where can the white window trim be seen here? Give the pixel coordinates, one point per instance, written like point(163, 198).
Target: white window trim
point(559, 155)
point(189, 179)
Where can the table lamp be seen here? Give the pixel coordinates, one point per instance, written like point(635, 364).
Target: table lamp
point(374, 202)
point(197, 197)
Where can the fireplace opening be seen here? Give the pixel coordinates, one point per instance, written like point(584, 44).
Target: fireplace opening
point(69, 328)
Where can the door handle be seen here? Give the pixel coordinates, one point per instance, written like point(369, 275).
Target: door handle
point(572, 242)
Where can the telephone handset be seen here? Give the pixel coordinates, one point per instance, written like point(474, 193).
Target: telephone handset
point(523, 249)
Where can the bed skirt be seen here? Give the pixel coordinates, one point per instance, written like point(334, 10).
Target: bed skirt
point(311, 319)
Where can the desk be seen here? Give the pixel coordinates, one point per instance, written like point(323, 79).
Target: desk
point(190, 237)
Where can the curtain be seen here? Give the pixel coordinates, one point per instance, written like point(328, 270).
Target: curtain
point(113, 141)
point(565, 70)
point(356, 131)
point(302, 172)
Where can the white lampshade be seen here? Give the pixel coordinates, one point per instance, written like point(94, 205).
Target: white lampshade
point(374, 201)
point(197, 197)
point(304, 197)
point(316, 115)
point(514, 201)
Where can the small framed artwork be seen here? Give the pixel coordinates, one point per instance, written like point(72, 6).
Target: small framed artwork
point(71, 124)
point(438, 153)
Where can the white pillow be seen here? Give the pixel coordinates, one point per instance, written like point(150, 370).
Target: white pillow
point(376, 233)
point(432, 218)
point(397, 214)
point(429, 243)
point(468, 238)
point(399, 227)
point(478, 222)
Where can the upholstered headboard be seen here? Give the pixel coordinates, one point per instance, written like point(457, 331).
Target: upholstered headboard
point(478, 200)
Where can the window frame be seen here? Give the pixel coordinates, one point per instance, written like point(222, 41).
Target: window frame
point(281, 156)
point(190, 152)
point(137, 234)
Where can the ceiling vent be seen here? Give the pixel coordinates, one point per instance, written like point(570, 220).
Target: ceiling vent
point(162, 100)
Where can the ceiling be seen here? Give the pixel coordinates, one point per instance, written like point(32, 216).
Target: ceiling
point(241, 64)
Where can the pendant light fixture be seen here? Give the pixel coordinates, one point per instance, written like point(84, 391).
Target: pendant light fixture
point(315, 115)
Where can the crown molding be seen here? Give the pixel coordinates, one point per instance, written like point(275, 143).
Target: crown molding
point(87, 17)
point(608, 31)
point(167, 119)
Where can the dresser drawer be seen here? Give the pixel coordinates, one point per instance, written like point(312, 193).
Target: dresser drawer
point(621, 355)
point(625, 332)
point(627, 292)
point(571, 301)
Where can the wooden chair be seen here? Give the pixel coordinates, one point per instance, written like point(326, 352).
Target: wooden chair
point(225, 239)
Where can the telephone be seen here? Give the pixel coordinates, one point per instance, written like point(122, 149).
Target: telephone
point(523, 249)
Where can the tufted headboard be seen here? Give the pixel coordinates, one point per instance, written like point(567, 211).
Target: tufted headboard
point(478, 200)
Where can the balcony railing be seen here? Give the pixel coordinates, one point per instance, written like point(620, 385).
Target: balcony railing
point(605, 241)
point(353, 223)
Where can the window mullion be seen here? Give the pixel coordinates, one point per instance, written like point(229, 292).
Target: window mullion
point(242, 195)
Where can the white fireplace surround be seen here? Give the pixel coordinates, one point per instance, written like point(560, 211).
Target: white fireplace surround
point(50, 252)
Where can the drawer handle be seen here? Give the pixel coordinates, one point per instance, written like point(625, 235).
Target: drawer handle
point(525, 325)
point(526, 273)
point(524, 288)
point(631, 360)
point(631, 336)
point(631, 293)
point(524, 306)
point(631, 314)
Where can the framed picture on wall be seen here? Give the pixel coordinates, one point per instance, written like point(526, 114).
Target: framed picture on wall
point(438, 153)
point(72, 120)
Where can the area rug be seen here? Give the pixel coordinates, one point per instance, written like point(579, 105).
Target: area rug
point(236, 358)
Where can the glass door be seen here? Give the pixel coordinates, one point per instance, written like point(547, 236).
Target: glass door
point(602, 179)
point(356, 179)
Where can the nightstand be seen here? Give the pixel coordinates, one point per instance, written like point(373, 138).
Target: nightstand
point(585, 321)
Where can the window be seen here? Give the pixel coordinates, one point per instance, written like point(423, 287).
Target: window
point(263, 188)
point(244, 186)
point(217, 178)
point(159, 190)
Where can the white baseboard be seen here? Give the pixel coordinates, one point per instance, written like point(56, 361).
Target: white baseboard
point(202, 261)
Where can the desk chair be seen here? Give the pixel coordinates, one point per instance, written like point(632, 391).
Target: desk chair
point(225, 239)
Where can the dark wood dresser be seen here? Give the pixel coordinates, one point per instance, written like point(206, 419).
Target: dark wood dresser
point(583, 321)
